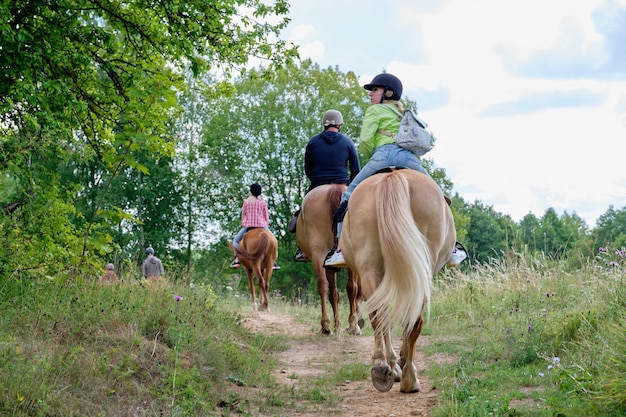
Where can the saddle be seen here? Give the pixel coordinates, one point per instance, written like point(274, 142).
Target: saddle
point(395, 168)
point(389, 169)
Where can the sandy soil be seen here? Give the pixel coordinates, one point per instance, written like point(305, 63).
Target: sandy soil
point(310, 355)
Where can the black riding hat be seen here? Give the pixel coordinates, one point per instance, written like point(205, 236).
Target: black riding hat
point(255, 189)
point(388, 82)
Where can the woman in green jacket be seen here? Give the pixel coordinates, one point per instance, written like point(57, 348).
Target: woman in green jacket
point(376, 144)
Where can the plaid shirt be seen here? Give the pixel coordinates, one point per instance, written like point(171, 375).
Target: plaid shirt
point(254, 213)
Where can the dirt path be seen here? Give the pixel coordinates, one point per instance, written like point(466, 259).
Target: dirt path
point(310, 355)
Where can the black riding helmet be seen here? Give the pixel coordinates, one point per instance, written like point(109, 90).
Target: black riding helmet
point(388, 82)
point(255, 189)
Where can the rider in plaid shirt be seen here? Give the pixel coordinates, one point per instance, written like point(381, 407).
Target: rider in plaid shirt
point(253, 214)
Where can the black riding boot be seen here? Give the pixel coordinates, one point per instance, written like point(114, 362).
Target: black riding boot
point(341, 212)
point(293, 222)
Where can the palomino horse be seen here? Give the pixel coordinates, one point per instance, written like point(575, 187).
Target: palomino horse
point(257, 253)
point(398, 232)
point(315, 233)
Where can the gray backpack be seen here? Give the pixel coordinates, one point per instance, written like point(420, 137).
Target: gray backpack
point(412, 134)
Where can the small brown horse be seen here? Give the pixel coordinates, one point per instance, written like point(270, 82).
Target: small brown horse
point(398, 232)
point(315, 233)
point(257, 253)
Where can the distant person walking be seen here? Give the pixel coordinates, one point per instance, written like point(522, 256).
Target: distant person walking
point(152, 267)
point(109, 274)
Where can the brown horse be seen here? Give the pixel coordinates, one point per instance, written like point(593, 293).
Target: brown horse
point(315, 233)
point(257, 253)
point(398, 232)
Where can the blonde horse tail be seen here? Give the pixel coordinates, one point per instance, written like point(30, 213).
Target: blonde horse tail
point(405, 289)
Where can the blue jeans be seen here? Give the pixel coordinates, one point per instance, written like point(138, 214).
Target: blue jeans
point(385, 156)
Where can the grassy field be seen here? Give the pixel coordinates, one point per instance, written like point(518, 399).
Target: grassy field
point(532, 339)
point(528, 338)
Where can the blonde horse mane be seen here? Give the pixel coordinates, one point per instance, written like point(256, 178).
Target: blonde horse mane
point(406, 285)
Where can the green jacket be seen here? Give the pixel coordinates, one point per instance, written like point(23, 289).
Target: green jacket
point(377, 117)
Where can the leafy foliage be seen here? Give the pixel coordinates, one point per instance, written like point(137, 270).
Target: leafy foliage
point(611, 228)
point(88, 88)
point(259, 135)
point(118, 129)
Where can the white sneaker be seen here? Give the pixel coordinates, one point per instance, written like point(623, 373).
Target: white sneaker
point(459, 254)
point(336, 260)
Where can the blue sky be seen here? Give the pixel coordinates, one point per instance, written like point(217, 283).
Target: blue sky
point(527, 99)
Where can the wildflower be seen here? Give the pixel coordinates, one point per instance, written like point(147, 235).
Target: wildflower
point(529, 328)
point(507, 330)
point(548, 294)
point(541, 374)
point(602, 249)
point(177, 297)
point(613, 263)
point(556, 360)
point(550, 367)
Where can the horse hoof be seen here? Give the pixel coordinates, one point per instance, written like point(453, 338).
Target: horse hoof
point(325, 332)
point(355, 331)
point(397, 373)
point(415, 387)
point(382, 378)
point(361, 323)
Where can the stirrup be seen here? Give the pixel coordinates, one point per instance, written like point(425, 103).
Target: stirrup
point(299, 256)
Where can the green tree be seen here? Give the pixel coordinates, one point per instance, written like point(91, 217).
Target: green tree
point(97, 82)
point(259, 135)
point(556, 235)
point(611, 228)
point(487, 233)
point(529, 227)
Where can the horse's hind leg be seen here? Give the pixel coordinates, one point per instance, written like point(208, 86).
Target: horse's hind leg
point(355, 322)
point(392, 358)
point(267, 276)
point(381, 374)
point(264, 303)
point(333, 296)
point(251, 287)
point(322, 289)
point(409, 382)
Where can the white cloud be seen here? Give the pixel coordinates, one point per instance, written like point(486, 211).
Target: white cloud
point(305, 36)
point(303, 33)
point(514, 91)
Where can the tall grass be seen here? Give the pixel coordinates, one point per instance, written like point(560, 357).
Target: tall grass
point(121, 350)
point(526, 336)
point(532, 339)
